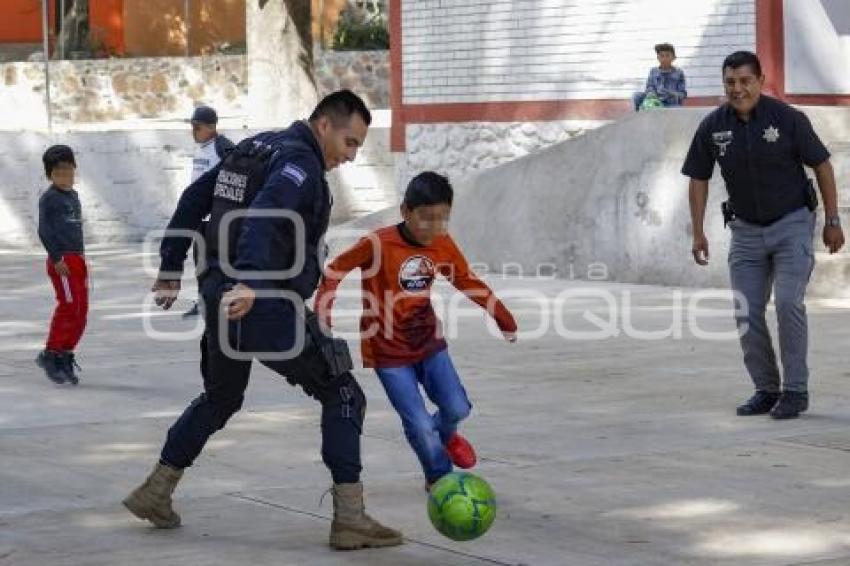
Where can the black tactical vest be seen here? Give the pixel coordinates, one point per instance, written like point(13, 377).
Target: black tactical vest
point(241, 176)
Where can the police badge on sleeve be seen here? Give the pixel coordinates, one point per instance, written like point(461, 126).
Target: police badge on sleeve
point(294, 173)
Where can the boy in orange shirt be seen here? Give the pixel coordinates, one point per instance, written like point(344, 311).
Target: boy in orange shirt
point(401, 336)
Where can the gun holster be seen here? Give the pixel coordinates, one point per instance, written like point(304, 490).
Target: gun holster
point(334, 350)
point(728, 212)
point(811, 196)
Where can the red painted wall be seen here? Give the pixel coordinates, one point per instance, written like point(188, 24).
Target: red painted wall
point(20, 21)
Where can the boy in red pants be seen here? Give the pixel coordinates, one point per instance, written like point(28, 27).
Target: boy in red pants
point(60, 229)
point(401, 335)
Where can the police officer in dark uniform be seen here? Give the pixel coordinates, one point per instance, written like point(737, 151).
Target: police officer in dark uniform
point(269, 207)
point(762, 145)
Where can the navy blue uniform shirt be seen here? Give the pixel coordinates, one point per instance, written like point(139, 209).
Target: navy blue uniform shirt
point(761, 160)
point(295, 182)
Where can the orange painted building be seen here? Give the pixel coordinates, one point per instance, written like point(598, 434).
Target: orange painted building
point(155, 28)
point(136, 28)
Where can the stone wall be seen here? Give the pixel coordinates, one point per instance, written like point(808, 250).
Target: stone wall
point(365, 72)
point(108, 90)
point(85, 93)
point(459, 149)
point(121, 117)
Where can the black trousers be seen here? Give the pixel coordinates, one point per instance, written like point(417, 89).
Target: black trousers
point(226, 378)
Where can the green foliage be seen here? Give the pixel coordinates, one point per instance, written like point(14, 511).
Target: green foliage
point(361, 31)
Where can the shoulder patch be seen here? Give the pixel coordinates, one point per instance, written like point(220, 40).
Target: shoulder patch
point(294, 173)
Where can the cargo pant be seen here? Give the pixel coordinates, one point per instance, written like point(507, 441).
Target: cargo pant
point(777, 259)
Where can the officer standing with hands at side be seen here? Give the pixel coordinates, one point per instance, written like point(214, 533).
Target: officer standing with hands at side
point(761, 145)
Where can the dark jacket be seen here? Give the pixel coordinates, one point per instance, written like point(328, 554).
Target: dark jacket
point(60, 222)
point(294, 186)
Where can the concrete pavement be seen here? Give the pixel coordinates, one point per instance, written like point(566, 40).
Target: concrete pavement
point(620, 451)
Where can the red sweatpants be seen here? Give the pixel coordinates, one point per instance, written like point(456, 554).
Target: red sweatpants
point(72, 304)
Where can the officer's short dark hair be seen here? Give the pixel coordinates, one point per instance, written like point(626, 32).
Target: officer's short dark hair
point(340, 105)
point(428, 188)
point(662, 47)
point(56, 154)
point(740, 58)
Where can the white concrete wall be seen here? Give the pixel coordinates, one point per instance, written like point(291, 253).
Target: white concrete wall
point(817, 46)
point(601, 206)
point(369, 184)
point(129, 181)
point(509, 50)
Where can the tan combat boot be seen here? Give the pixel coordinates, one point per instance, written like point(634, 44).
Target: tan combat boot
point(352, 528)
point(152, 499)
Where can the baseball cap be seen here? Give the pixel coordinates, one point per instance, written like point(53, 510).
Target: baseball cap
point(204, 115)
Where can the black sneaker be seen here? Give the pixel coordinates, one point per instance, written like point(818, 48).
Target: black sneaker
point(759, 404)
point(790, 405)
point(69, 364)
point(52, 366)
point(194, 311)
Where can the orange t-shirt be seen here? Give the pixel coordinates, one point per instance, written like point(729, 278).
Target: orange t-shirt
point(399, 326)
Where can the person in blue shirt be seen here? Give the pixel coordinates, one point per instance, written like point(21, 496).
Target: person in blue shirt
point(665, 82)
point(269, 206)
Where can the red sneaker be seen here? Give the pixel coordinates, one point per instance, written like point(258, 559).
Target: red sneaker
point(461, 451)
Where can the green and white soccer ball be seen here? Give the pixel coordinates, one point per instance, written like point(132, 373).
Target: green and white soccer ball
point(462, 506)
point(651, 102)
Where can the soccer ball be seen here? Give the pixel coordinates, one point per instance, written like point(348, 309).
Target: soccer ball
point(461, 506)
point(651, 102)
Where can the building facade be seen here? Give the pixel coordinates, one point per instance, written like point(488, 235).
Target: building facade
point(477, 83)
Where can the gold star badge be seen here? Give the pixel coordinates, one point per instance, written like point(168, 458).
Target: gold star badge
point(771, 134)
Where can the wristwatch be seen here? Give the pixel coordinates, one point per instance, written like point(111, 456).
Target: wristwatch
point(833, 221)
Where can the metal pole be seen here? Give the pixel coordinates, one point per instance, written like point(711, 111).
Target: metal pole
point(186, 16)
point(61, 19)
point(321, 16)
point(45, 27)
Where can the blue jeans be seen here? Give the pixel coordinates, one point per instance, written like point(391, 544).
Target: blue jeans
point(427, 433)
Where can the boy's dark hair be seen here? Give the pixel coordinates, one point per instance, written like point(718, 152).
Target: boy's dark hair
point(55, 155)
point(662, 47)
point(426, 189)
point(741, 58)
point(340, 105)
